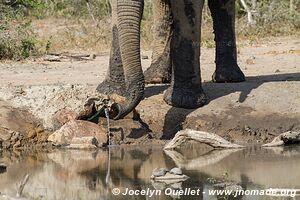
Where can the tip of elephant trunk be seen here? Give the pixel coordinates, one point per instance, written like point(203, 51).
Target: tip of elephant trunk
point(119, 111)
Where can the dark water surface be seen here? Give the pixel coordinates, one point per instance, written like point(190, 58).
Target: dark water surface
point(72, 174)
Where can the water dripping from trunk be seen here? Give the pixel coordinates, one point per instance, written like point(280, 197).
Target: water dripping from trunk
point(107, 179)
point(106, 110)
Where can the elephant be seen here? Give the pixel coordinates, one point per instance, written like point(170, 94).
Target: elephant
point(176, 53)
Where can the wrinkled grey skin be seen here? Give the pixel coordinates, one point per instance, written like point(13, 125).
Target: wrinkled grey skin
point(176, 51)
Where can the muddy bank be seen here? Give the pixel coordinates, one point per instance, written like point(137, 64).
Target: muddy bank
point(253, 120)
point(20, 129)
point(255, 111)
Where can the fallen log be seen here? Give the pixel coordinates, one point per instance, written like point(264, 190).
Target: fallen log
point(210, 139)
point(283, 139)
point(56, 57)
point(21, 186)
point(208, 159)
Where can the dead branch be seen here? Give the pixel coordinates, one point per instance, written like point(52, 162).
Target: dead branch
point(210, 139)
point(22, 185)
point(91, 13)
point(57, 57)
point(286, 138)
point(251, 21)
point(202, 161)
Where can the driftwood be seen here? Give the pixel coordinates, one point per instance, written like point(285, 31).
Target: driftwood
point(250, 12)
point(22, 185)
point(211, 158)
point(57, 57)
point(171, 178)
point(284, 151)
point(210, 139)
point(286, 138)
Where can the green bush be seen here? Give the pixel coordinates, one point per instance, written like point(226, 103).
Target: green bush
point(17, 38)
point(17, 41)
point(272, 17)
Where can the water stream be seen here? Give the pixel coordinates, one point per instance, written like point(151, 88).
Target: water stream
point(66, 174)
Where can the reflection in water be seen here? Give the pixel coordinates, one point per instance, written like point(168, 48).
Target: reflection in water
point(65, 174)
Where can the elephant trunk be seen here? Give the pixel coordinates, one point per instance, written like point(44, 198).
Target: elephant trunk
point(129, 22)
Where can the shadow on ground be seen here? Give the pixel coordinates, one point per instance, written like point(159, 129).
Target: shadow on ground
point(215, 91)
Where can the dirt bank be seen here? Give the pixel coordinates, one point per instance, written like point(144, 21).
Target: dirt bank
point(267, 104)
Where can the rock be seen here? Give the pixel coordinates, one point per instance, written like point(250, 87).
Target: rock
point(63, 116)
point(3, 168)
point(145, 57)
point(157, 172)
point(250, 61)
point(85, 140)
point(17, 127)
point(169, 178)
point(17, 144)
point(176, 170)
point(16, 136)
point(31, 133)
point(5, 134)
point(92, 56)
point(232, 186)
point(81, 146)
point(75, 129)
point(124, 130)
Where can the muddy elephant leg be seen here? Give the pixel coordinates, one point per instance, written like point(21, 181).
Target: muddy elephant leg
point(115, 80)
point(223, 14)
point(185, 90)
point(160, 68)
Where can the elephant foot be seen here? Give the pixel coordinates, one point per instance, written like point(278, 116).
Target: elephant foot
point(185, 97)
point(228, 75)
point(157, 73)
point(111, 87)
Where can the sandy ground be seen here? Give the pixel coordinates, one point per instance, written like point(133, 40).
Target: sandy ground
point(267, 104)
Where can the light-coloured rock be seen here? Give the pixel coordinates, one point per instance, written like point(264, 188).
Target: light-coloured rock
point(5, 134)
point(83, 143)
point(170, 178)
point(176, 170)
point(124, 129)
point(62, 117)
point(78, 129)
point(81, 146)
point(157, 172)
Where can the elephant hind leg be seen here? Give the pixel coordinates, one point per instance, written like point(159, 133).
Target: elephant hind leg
point(223, 14)
point(114, 82)
point(160, 69)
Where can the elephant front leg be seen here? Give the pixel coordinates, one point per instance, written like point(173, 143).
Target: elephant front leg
point(223, 14)
point(114, 82)
point(160, 68)
point(185, 90)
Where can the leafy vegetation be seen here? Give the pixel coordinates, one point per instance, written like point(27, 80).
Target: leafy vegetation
point(17, 38)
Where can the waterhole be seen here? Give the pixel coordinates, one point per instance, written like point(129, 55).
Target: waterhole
point(66, 174)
